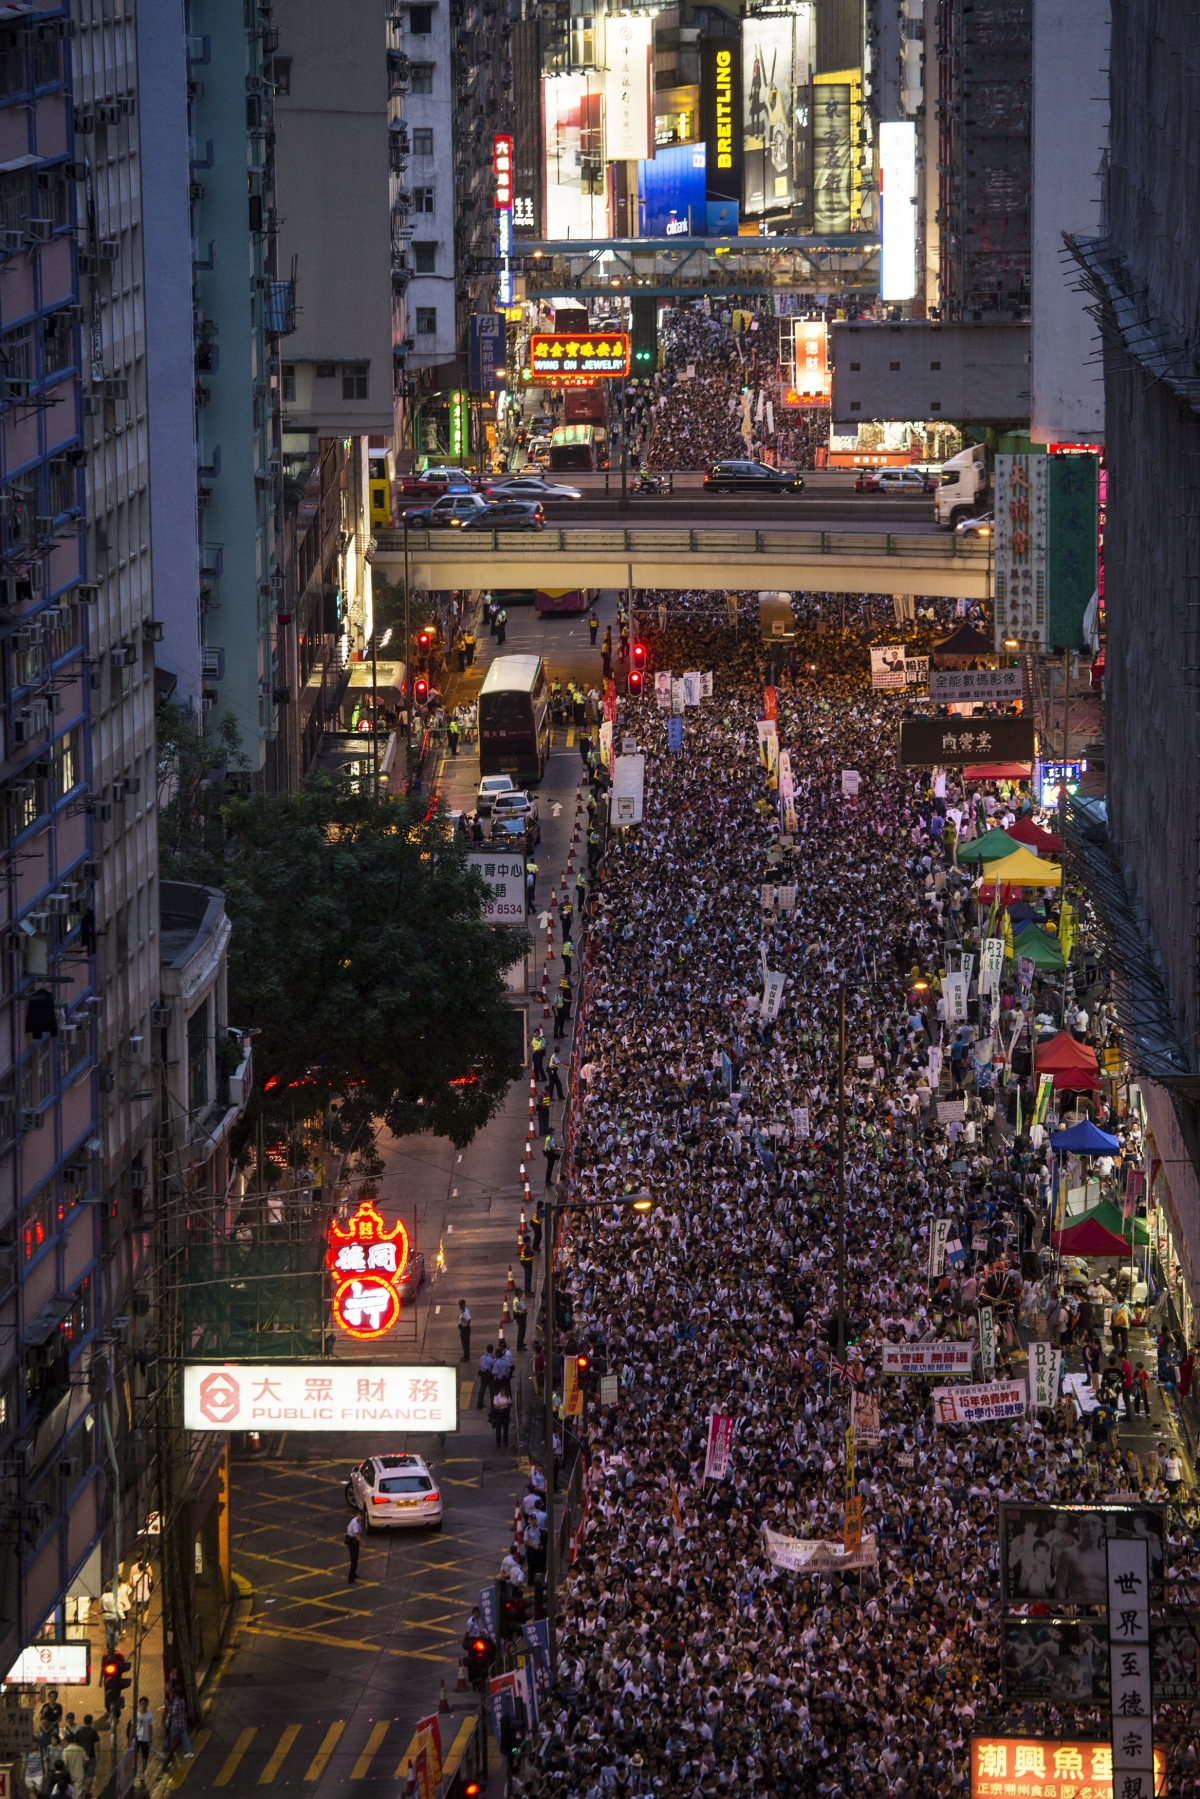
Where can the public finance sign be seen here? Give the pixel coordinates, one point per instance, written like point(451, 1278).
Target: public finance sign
point(504, 878)
point(1041, 1768)
point(952, 742)
point(570, 353)
point(347, 1396)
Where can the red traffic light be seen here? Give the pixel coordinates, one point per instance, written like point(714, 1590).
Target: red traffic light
point(480, 1646)
point(422, 640)
point(639, 655)
point(472, 1790)
point(583, 1363)
point(421, 689)
point(110, 1670)
point(635, 680)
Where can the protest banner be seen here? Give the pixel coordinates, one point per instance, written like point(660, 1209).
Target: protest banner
point(813, 1555)
point(979, 1404)
point(938, 1234)
point(928, 1358)
point(720, 1442)
point(1045, 1370)
point(987, 1334)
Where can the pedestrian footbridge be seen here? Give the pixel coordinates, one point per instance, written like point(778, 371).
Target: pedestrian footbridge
point(946, 565)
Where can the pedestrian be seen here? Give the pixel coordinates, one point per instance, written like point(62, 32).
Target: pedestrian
point(1127, 1385)
point(531, 874)
point(1184, 1382)
point(353, 1544)
point(550, 1151)
point(501, 625)
point(521, 1311)
point(1091, 1360)
point(486, 1362)
point(452, 736)
point(464, 1329)
point(593, 626)
point(1141, 1386)
point(1173, 1471)
point(175, 1718)
point(76, 1761)
point(585, 747)
point(555, 1088)
point(142, 1584)
point(143, 1734)
point(499, 1416)
point(60, 1781)
point(88, 1738)
point(1120, 1328)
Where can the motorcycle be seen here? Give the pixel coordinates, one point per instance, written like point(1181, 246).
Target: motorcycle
point(649, 484)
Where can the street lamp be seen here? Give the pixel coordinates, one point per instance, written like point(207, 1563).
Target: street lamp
point(637, 1202)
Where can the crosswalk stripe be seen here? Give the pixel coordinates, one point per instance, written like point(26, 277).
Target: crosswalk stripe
point(379, 1731)
point(570, 737)
point(276, 1762)
point(458, 1747)
point(229, 1766)
point(465, 1390)
point(181, 1769)
point(316, 1766)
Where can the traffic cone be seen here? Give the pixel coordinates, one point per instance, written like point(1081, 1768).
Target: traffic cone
point(460, 1685)
point(522, 1171)
point(443, 1701)
point(512, 1285)
point(505, 1315)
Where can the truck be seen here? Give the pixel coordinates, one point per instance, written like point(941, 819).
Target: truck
point(966, 486)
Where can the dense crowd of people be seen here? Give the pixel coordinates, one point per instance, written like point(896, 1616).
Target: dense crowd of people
point(691, 1663)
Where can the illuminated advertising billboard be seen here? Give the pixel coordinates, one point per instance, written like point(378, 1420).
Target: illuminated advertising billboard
point(807, 367)
point(768, 113)
point(832, 172)
point(576, 198)
point(628, 116)
point(720, 127)
point(1041, 1768)
point(898, 211)
point(326, 1396)
point(555, 354)
point(673, 191)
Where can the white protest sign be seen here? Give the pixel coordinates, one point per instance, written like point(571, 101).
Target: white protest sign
point(981, 1404)
point(662, 690)
point(850, 783)
point(938, 1236)
point(927, 1358)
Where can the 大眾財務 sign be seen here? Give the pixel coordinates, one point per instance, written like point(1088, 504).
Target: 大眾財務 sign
point(329, 1396)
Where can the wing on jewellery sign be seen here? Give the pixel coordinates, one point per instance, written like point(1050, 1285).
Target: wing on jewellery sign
point(946, 742)
point(927, 1358)
point(812, 1555)
point(980, 1404)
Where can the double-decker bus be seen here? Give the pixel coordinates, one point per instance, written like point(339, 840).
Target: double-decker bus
point(514, 719)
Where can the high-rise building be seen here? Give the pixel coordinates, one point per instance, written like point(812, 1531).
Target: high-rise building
point(428, 183)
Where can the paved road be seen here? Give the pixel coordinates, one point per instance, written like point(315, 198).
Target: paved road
point(327, 1680)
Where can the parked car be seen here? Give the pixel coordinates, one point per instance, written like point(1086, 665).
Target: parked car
point(489, 788)
point(432, 483)
point(516, 833)
point(750, 477)
point(529, 487)
point(983, 526)
point(453, 509)
point(507, 515)
point(895, 481)
point(514, 805)
point(391, 1490)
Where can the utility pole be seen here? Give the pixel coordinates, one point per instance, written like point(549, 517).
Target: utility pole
point(841, 1239)
point(408, 680)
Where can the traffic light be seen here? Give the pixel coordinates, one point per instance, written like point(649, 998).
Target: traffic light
point(513, 1731)
point(420, 690)
point(472, 1790)
point(512, 1609)
point(424, 638)
point(115, 1681)
point(639, 655)
point(583, 1363)
point(644, 309)
point(481, 1653)
point(634, 681)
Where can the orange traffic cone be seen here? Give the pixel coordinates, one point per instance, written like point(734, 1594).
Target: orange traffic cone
point(512, 1285)
point(505, 1315)
point(443, 1701)
point(460, 1685)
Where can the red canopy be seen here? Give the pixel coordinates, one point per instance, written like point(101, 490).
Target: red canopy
point(998, 771)
point(1090, 1238)
point(1025, 831)
point(1063, 1052)
point(1074, 1080)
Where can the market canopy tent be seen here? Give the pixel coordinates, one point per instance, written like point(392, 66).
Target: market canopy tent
point(1062, 1051)
point(1039, 948)
point(1088, 1237)
point(965, 645)
point(1108, 1214)
point(1044, 842)
point(1024, 869)
point(1084, 1140)
point(990, 847)
point(998, 771)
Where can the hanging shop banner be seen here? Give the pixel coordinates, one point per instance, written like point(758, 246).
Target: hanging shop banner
point(939, 1235)
point(928, 1358)
point(991, 964)
point(504, 880)
point(987, 1339)
point(812, 1555)
point(486, 352)
point(720, 1442)
point(1175, 1663)
point(721, 122)
point(946, 742)
point(53, 1664)
point(349, 1396)
point(887, 665)
point(1065, 1544)
point(953, 686)
point(1020, 550)
point(1065, 1661)
point(980, 1404)
point(1045, 1768)
point(662, 690)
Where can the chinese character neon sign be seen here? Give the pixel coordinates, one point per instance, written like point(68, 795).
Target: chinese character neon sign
point(368, 1258)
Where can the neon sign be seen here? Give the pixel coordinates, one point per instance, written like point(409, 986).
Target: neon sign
point(368, 1258)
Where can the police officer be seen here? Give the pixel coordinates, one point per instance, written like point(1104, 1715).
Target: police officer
point(543, 1111)
point(593, 624)
point(554, 1088)
point(527, 1270)
point(531, 871)
point(521, 1312)
point(551, 1152)
point(452, 736)
point(501, 622)
point(538, 1047)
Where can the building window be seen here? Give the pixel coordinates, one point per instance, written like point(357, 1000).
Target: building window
point(326, 371)
point(279, 74)
point(66, 764)
point(422, 140)
point(14, 201)
point(354, 380)
point(37, 1222)
point(426, 321)
point(425, 258)
point(422, 199)
point(420, 20)
point(289, 381)
point(422, 78)
point(197, 1054)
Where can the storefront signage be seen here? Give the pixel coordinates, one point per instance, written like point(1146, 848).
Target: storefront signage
point(1041, 1768)
point(328, 1396)
point(504, 879)
point(53, 1664)
point(954, 685)
point(502, 163)
point(952, 742)
point(367, 1257)
point(927, 1358)
point(567, 353)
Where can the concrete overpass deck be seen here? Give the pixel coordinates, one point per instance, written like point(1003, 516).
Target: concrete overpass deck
point(822, 561)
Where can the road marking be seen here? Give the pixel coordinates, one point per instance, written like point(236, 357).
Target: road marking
point(327, 1640)
point(380, 1730)
point(437, 1311)
point(229, 1767)
point(316, 1766)
point(276, 1762)
point(448, 1482)
point(182, 1769)
point(458, 1747)
point(465, 1391)
point(570, 737)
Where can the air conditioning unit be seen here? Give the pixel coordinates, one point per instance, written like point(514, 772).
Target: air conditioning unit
point(29, 723)
point(118, 792)
point(152, 630)
point(114, 389)
point(160, 1016)
point(85, 122)
point(133, 783)
point(54, 703)
point(21, 1456)
point(32, 1119)
point(109, 249)
point(53, 618)
point(40, 231)
point(40, 922)
point(102, 812)
point(58, 903)
point(93, 405)
point(87, 591)
point(137, 1179)
point(90, 871)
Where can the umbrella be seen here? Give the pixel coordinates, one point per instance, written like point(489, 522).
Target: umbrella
point(1084, 1140)
point(1024, 869)
point(1039, 948)
point(992, 845)
point(1044, 842)
point(1088, 1237)
point(1062, 1051)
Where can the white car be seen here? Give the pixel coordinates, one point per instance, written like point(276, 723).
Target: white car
point(514, 805)
point(530, 487)
point(489, 787)
point(395, 1490)
point(983, 526)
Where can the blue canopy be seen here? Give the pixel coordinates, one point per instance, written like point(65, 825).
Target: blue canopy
point(1084, 1140)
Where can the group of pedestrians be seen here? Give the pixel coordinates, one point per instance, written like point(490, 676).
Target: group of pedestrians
point(694, 1658)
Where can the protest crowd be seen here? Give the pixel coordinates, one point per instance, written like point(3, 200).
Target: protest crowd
point(692, 1662)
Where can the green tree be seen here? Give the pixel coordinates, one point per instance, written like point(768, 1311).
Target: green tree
point(359, 954)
